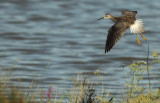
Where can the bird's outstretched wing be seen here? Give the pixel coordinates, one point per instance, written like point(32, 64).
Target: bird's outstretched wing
point(114, 34)
point(128, 13)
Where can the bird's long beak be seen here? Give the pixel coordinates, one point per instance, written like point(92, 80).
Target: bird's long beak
point(100, 18)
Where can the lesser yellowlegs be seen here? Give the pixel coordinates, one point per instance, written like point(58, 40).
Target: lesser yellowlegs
point(126, 20)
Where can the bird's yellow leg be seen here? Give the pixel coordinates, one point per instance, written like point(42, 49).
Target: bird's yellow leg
point(143, 36)
point(138, 39)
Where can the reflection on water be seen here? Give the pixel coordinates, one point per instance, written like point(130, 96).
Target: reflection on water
point(53, 40)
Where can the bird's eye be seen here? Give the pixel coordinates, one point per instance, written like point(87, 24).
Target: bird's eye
point(107, 14)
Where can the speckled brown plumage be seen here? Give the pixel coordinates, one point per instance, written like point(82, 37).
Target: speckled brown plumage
point(123, 22)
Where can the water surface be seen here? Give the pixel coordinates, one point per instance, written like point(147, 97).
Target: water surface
point(53, 40)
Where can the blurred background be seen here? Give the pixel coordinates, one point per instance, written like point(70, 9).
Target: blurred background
point(52, 40)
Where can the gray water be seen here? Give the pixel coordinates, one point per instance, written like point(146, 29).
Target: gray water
point(52, 40)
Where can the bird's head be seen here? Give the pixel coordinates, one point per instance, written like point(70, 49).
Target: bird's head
point(106, 16)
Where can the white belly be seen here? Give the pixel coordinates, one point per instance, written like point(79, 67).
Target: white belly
point(137, 27)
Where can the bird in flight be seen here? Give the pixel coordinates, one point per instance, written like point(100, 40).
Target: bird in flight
point(125, 21)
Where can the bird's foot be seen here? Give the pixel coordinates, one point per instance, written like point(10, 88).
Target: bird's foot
point(143, 36)
point(138, 40)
